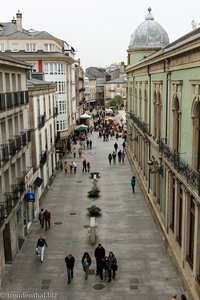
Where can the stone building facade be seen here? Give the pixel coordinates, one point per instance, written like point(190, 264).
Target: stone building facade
point(15, 157)
point(163, 116)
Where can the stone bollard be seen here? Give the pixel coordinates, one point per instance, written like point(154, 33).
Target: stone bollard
point(92, 230)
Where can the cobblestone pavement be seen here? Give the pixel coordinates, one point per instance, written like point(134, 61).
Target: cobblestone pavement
point(125, 227)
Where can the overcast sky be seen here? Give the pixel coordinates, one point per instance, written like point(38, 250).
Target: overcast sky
point(100, 30)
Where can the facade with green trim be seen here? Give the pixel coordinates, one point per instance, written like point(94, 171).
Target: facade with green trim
point(163, 116)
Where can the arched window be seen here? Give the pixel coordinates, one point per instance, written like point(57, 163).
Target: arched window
point(196, 135)
point(176, 125)
point(135, 102)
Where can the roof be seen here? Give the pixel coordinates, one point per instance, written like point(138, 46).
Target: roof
point(8, 58)
point(149, 34)
point(9, 29)
point(117, 80)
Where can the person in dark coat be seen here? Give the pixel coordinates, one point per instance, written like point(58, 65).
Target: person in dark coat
point(41, 217)
point(133, 182)
point(99, 254)
point(41, 243)
point(112, 266)
point(110, 158)
point(47, 218)
point(69, 260)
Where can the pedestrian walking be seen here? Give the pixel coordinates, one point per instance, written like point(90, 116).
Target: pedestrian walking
point(41, 217)
point(123, 156)
point(70, 261)
point(61, 166)
point(86, 263)
point(104, 268)
point(110, 158)
point(71, 167)
point(99, 254)
point(88, 166)
point(124, 145)
point(74, 167)
point(115, 146)
point(80, 151)
point(47, 218)
point(183, 297)
point(133, 182)
point(41, 243)
point(74, 152)
point(119, 155)
point(84, 163)
point(65, 167)
point(90, 144)
point(174, 296)
point(114, 157)
point(112, 266)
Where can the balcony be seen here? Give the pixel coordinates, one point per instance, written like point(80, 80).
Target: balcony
point(11, 198)
point(141, 125)
point(4, 154)
point(188, 172)
point(13, 99)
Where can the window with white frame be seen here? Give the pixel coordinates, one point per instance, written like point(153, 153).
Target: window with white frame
point(62, 107)
point(30, 47)
point(55, 68)
point(61, 87)
point(2, 48)
point(15, 47)
point(49, 47)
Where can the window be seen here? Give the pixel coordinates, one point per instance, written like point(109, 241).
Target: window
point(55, 68)
point(191, 232)
point(30, 47)
point(176, 130)
point(15, 47)
point(49, 47)
point(2, 49)
point(172, 215)
point(34, 67)
point(180, 212)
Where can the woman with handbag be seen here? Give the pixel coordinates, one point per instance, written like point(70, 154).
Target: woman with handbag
point(86, 262)
point(112, 266)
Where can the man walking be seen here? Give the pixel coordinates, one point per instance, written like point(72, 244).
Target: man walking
point(69, 260)
point(99, 254)
point(47, 218)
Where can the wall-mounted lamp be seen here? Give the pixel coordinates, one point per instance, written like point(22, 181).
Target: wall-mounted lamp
point(155, 168)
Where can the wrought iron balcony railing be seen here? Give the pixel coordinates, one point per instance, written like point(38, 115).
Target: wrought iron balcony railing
point(190, 174)
point(13, 99)
point(143, 126)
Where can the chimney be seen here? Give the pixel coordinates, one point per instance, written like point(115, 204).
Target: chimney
point(19, 20)
point(14, 21)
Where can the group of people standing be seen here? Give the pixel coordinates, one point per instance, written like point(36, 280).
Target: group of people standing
point(106, 266)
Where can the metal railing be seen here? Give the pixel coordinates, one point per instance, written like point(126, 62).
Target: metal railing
point(191, 175)
point(142, 125)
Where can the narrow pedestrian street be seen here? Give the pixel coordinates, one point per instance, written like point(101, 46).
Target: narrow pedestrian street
point(125, 227)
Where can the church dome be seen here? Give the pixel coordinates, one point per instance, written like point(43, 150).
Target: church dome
point(149, 34)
